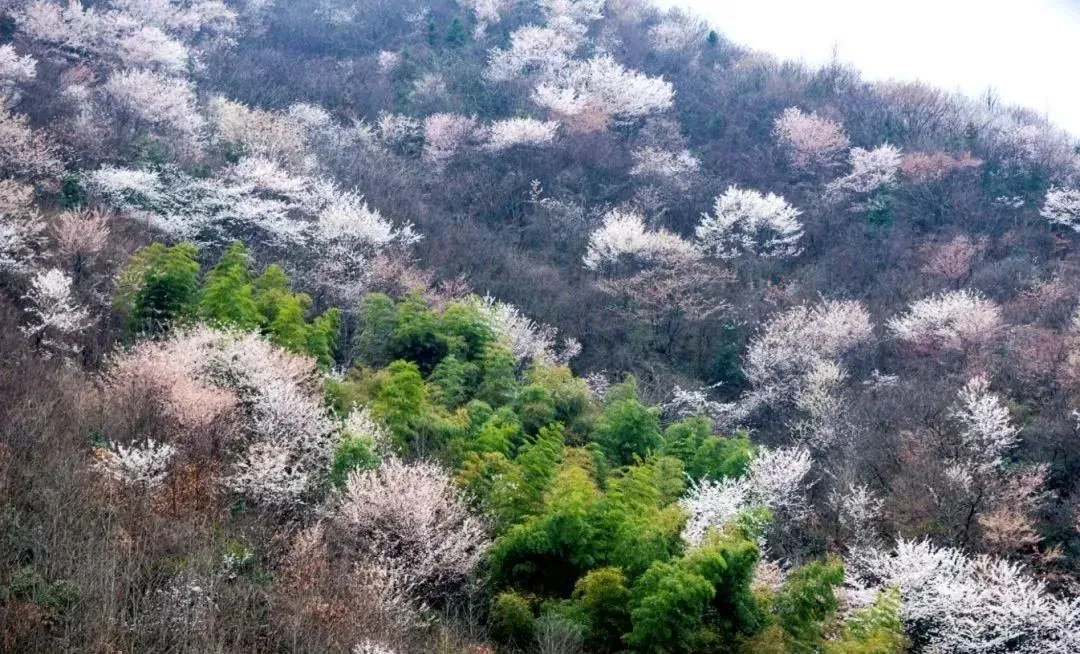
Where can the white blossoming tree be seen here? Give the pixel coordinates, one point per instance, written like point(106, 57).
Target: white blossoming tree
point(55, 316)
point(590, 93)
point(811, 141)
point(967, 604)
point(409, 520)
point(142, 465)
point(746, 222)
point(1062, 207)
point(677, 168)
point(950, 321)
point(623, 236)
point(775, 480)
point(513, 132)
point(870, 170)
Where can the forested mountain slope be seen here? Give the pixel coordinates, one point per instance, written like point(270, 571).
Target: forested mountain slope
point(534, 325)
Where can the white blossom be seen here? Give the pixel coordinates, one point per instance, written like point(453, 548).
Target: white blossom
point(987, 432)
point(533, 50)
point(312, 117)
point(349, 218)
point(409, 517)
point(143, 464)
point(157, 100)
point(623, 234)
point(685, 403)
point(24, 152)
point(511, 132)
point(963, 604)
point(818, 398)
point(268, 474)
point(149, 47)
point(55, 314)
point(577, 11)
point(810, 139)
point(486, 12)
point(288, 435)
point(388, 61)
point(187, 19)
point(857, 508)
point(603, 85)
point(870, 170)
point(15, 70)
point(396, 129)
point(263, 134)
point(745, 221)
point(528, 340)
point(72, 27)
point(445, 133)
point(1062, 207)
point(949, 320)
point(676, 167)
point(774, 480)
point(678, 32)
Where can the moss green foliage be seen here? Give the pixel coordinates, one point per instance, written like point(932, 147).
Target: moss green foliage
point(353, 453)
point(27, 585)
point(875, 629)
point(582, 496)
point(161, 286)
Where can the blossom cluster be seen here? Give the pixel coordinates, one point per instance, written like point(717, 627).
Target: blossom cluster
point(746, 222)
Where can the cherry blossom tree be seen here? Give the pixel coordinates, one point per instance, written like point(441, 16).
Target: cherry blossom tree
point(142, 465)
point(486, 13)
point(986, 429)
point(950, 321)
point(75, 29)
point(676, 167)
point(623, 236)
point(601, 85)
point(870, 170)
point(793, 360)
point(967, 604)
point(149, 47)
point(14, 70)
point(188, 19)
point(534, 51)
point(287, 436)
point(398, 129)
point(512, 132)
point(811, 141)
point(55, 315)
point(528, 340)
point(745, 221)
point(24, 152)
point(167, 371)
point(80, 233)
point(678, 32)
point(21, 227)
point(331, 232)
point(1062, 207)
point(388, 61)
point(158, 100)
point(794, 341)
point(775, 480)
point(445, 133)
point(410, 520)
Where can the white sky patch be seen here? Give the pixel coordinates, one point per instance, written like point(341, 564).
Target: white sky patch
point(1027, 51)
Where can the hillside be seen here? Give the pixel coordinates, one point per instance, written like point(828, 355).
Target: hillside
point(522, 326)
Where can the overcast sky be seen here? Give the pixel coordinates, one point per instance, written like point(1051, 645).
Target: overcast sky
point(1027, 50)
